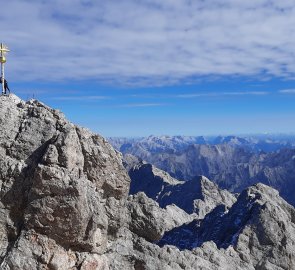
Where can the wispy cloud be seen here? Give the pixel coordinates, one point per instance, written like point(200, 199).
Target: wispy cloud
point(219, 94)
point(80, 98)
point(136, 105)
point(287, 91)
point(148, 42)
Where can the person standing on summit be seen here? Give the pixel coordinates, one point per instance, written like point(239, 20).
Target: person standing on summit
point(6, 88)
point(3, 51)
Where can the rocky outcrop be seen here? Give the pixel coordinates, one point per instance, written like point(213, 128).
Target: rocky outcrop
point(61, 186)
point(149, 221)
point(256, 233)
point(145, 255)
point(201, 195)
point(260, 223)
point(129, 161)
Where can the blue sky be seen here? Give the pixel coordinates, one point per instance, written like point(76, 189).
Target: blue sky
point(134, 68)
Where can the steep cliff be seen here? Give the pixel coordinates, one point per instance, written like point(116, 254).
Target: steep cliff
point(63, 189)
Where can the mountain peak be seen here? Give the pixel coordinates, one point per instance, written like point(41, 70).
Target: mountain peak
point(60, 183)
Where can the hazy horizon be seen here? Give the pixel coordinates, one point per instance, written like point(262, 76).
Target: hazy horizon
point(254, 135)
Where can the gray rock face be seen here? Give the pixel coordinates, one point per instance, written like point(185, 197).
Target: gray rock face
point(64, 205)
point(145, 255)
point(149, 221)
point(201, 195)
point(129, 161)
point(58, 181)
point(260, 223)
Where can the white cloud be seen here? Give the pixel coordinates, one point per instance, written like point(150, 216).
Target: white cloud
point(148, 42)
point(219, 94)
point(80, 98)
point(137, 105)
point(287, 91)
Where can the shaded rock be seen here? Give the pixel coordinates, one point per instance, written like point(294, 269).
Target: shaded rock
point(201, 195)
point(260, 226)
point(149, 221)
point(132, 252)
point(129, 161)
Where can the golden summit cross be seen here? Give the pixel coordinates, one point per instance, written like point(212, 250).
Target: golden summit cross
point(3, 50)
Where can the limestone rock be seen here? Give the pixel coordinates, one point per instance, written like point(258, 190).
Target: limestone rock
point(58, 180)
point(149, 221)
point(201, 195)
point(260, 223)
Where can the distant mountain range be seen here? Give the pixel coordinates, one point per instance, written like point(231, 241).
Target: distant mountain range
point(233, 163)
point(156, 144)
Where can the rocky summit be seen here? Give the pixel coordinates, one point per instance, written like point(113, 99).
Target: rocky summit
point(63, 189)
point(65, 205)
